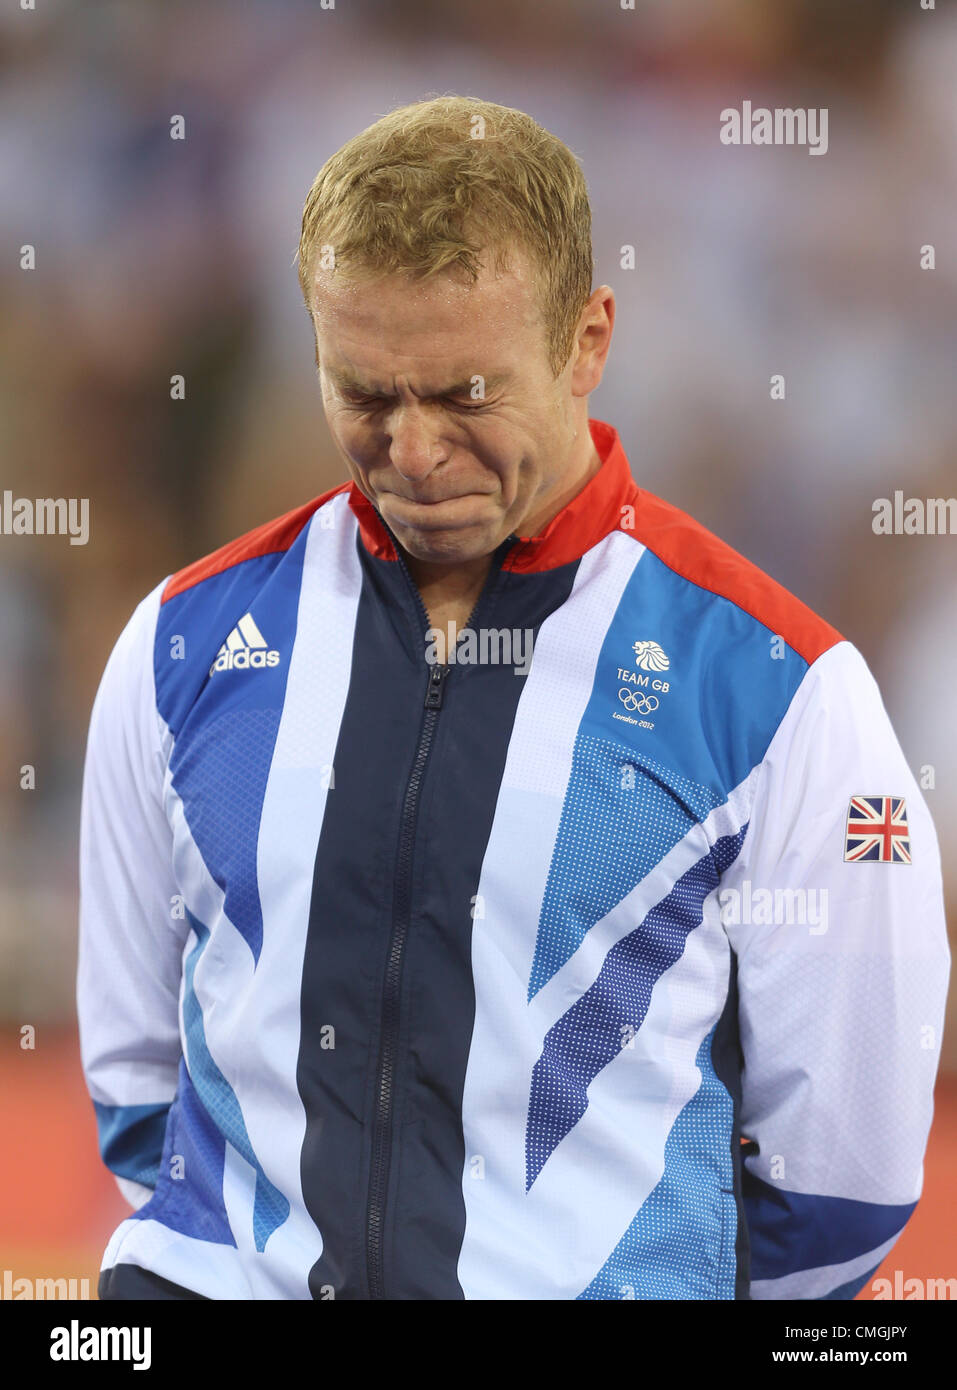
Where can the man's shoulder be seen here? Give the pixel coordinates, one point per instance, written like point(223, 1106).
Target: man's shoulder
point(698, 556)
point(231, 609)
point(270, 538)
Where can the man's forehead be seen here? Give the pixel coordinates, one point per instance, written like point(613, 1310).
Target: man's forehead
point(441, 331)
point(501, 298)
point(508, 268)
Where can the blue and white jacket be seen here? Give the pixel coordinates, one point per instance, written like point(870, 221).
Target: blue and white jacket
point(615, 972)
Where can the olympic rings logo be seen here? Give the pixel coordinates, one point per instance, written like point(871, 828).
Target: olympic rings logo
point(631, 700)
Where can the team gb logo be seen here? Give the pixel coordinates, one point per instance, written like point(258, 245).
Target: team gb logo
point(650, 657)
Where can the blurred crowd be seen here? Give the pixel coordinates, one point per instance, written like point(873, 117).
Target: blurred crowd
point(157, 257)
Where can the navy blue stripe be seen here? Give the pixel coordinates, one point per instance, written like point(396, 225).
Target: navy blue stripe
point(727, 1059)
point(787, 1227)
point(588, 1035)
point(350, 928)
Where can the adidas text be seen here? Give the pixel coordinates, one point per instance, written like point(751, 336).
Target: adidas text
point(244, 659)
point(245, 649)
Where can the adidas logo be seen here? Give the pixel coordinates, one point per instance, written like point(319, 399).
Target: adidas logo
point(244, 648)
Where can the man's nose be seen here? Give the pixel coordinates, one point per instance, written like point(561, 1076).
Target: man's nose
point(415, 448)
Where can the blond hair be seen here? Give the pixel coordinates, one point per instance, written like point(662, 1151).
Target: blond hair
point(433, 184)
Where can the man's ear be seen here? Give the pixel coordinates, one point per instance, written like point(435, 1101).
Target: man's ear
point(594, 340)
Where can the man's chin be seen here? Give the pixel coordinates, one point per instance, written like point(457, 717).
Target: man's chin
point(460, 545)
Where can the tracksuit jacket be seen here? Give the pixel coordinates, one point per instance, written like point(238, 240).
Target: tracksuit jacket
point(606, 960)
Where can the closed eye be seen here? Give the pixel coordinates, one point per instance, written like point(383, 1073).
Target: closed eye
point(377, 402)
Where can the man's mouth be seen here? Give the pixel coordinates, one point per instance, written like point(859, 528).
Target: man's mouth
point(455, 507)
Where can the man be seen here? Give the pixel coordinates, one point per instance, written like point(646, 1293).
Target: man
point(493, 886)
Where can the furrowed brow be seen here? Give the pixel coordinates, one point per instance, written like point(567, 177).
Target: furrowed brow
point(348, 381)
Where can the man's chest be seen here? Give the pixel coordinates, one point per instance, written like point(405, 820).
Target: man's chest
point(371, 790)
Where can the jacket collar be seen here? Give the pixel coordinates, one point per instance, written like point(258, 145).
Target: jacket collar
point(606, 503)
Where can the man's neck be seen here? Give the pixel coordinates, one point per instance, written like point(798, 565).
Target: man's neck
point(449, 592)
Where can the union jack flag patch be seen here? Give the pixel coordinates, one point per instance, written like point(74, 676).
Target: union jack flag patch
point(877, 831)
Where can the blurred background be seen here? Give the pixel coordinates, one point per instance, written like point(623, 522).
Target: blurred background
point(156, 257)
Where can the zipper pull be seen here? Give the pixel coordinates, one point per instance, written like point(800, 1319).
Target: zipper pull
point(433, 695)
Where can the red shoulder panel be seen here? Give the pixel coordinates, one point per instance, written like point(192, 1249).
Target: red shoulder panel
point(273, 536)
point(695, 553)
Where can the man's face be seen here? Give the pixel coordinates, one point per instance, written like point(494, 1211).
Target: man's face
point(403, 367)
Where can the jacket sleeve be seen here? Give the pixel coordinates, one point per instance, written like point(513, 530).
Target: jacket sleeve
point(131, 937)
point(842, 978)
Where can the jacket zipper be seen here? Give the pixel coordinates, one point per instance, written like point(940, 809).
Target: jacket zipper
point(401, 918)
